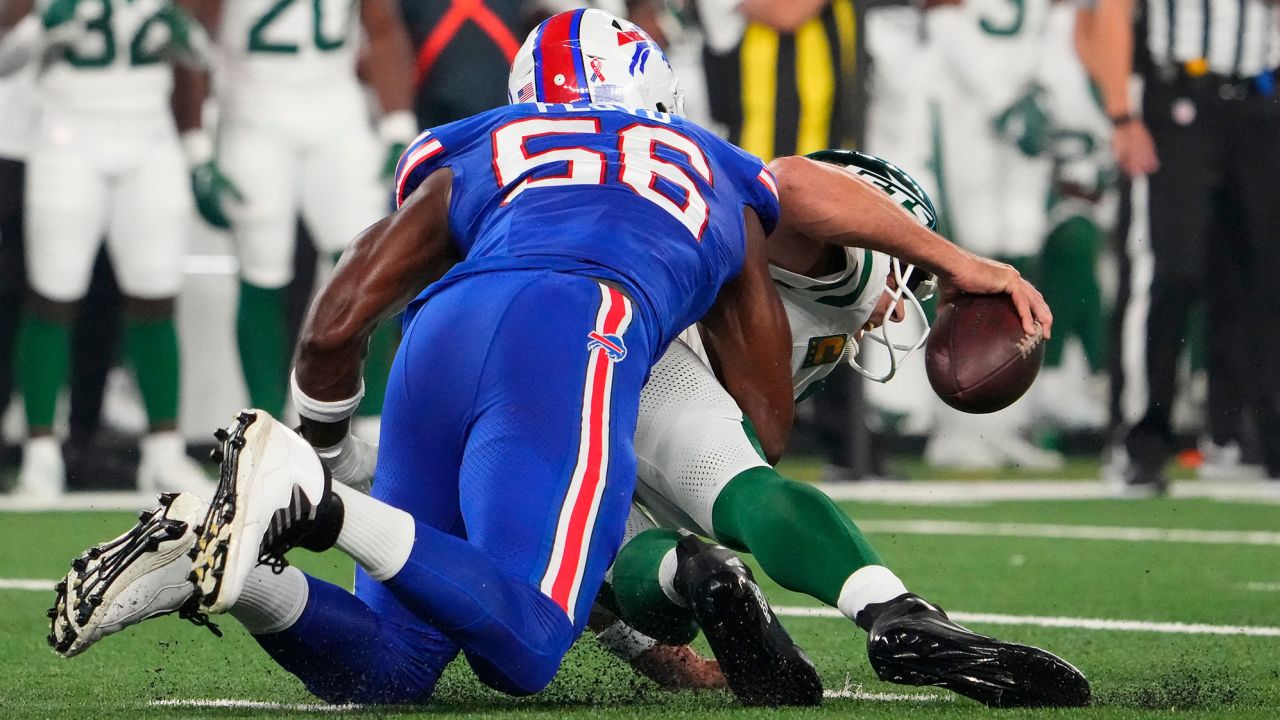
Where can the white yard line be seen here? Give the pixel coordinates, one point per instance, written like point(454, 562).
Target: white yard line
point(230, 703)
point(854, 691)
point(118, 500)
point(1071, 532)
point(1262, 586)
point(920, 492)
point(254, 705)
point(968, 492)
point(25, 584)
point(1168, 628)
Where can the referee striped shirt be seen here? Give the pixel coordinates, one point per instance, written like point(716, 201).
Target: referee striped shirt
point(1238, 38)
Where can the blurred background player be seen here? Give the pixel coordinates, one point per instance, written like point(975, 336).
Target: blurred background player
point(295, 137)
point(105, 160)
point(993, 182)
point(1070, 393)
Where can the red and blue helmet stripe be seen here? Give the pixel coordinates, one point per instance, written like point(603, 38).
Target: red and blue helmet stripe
point(557, 50)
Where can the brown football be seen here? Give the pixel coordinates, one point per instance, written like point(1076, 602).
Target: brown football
point(978, 359)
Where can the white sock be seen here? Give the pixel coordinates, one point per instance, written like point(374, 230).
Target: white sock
point(625, 642)
point(271, 603)
point(374, 534)
point(667, 578)
point(867, 586)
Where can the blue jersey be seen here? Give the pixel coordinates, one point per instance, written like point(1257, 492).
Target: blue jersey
point(638, 197)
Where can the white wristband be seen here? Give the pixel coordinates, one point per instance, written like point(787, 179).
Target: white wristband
point(325, 411)
point(197, 146)
point(397, 126)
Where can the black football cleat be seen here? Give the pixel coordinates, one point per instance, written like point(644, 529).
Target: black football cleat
point(760, 661)
point(913, 642)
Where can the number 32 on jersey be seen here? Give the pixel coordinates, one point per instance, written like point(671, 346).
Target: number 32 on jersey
point(663, 182)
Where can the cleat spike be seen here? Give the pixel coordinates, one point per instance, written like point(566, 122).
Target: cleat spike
point(216, 456)
point(61, 587)
point(51, 613)
point(52, 640)
point(221, 435)
point(79, 564)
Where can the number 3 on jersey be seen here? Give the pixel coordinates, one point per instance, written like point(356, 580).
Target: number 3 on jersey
point(641, 167)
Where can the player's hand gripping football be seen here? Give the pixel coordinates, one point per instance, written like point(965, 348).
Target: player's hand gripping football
point(980, 276)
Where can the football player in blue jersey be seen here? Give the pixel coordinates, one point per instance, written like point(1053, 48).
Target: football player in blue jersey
point(562, 245)
point(565, 243)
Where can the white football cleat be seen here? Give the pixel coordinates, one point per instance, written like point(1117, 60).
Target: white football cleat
point(1019, 453)
point(43, 475)
point(273, 495)
point(141, 574)
point(166, 467)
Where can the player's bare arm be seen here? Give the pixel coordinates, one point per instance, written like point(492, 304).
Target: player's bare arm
point(749, 341)
point(13, 11)
point(385, 267)
point(390, 57)
point(191, 84)
point(822, 204)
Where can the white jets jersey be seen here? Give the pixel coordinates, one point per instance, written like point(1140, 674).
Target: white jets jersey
point(17, 93)
point(113, 64)
point(287, 54)
point(825, 313)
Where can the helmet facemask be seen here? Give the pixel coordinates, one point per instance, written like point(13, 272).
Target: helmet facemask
point(913, 287)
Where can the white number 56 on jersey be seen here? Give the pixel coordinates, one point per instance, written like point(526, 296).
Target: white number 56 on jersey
point(641, 166)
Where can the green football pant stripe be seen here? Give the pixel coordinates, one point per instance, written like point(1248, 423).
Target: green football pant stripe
point(43, 358)
point(264, 356)
point(638, 596)
point(798, 535)
point(1069, 282)
point(152, 347)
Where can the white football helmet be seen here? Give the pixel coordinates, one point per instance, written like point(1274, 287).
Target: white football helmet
point(909, 284)
point(586, 56)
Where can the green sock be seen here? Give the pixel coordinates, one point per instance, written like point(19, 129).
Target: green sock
point(1069, 282)
point(377, 366)
point(43, 358)
point(798, 535)
point(638, 594)
point(264, 357)
point(152, 347)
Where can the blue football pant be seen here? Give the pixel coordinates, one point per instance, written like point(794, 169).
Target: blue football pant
point(507, 434)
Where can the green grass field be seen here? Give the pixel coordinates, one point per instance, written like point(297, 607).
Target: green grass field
point(1219, 580)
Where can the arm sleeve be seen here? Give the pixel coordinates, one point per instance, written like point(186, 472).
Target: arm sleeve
point(425, 155)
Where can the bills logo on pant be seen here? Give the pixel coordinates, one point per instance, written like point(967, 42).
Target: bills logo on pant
point(612, 345)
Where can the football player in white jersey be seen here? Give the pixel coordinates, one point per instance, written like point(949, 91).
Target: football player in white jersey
point(294, 138)
point(700, 469)
point(104, 160)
